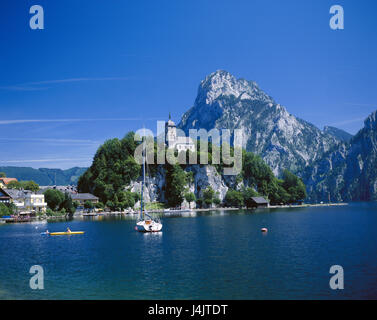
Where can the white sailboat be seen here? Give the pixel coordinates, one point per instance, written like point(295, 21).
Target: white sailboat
point(145, 222)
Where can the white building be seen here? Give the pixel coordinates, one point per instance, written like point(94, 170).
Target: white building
point(27, 201)
point(35, 202)
point(178, 143)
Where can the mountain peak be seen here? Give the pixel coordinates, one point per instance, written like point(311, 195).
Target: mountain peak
point(222, 83)
point(223, 101)
point(371, 121)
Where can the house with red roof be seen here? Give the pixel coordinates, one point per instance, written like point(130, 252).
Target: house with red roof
point(5, 181)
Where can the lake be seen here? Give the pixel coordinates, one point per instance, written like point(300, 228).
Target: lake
point(212, 255)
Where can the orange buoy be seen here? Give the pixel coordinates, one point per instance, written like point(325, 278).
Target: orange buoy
point(264, 230)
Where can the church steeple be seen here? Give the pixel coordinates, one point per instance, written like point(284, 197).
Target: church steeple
point(169, 116)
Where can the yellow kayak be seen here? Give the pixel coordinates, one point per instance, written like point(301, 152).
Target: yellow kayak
point(65, 233)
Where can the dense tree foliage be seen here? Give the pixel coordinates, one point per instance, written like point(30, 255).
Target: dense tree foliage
point(25, 185)
point(234, 198)
point(190, 197)
point(208, 196)
point(176, 181)
point(54, 198)
point(294, 187)
point(248, 194)
point(57, 201)
point(6, 209)
point(260, 176)
point(88, 205)
point(113, 168)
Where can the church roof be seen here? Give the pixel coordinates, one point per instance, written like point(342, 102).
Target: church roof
point(171, 123)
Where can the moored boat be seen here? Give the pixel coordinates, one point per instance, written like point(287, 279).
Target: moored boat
point(145, 222)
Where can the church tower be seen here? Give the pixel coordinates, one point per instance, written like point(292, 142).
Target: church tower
point(171, 132)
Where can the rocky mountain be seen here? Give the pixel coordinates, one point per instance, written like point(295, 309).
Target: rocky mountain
point(268, 129)
point(338, 133)
point(348, 172)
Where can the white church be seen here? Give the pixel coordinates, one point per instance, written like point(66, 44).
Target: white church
point(173, 141)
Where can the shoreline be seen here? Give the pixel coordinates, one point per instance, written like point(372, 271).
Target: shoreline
point(167, 212)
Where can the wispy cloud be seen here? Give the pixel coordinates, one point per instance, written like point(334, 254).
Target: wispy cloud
point(18, 121)
point(345, 122)
point(39, 85)
point(53, 141)
point(44, 160)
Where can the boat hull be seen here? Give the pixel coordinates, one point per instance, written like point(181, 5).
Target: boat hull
point(65, 233)
point(148, 226)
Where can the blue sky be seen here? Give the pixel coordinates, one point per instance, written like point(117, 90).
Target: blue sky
point(100, 69)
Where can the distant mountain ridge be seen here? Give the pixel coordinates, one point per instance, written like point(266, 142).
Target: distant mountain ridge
point(45, 176)
point(338, 133)
point(349, 172)
point(283, 141)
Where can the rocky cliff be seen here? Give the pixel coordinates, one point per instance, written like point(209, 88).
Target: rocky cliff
point(283, 141)
point(348, 172)
point(203, 176)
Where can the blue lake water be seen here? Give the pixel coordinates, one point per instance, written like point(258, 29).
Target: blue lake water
point(214, 255)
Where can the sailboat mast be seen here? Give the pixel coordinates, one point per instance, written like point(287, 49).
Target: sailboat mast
point(142, 184)
point(144, 175)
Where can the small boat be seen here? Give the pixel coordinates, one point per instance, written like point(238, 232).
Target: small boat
point(264, 229)
point(65, 233)
point(145, 222)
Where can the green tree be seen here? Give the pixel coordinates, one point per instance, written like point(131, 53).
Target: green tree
point(99, 205)
point(208, 195)
point(14, 185)
point(248, 194)
point(76, 204)
point(54, 198)
point(88, 205)
point(190, 197)
point(4, 210)
point(112, 169)
point(67, 204)
point(217, 201)
point(199, 202)
point(30, 185)
point(175, 185)
point(2, 175)
point(294, 186)
point(26, 185)
point(110, 205)
point(234, 198)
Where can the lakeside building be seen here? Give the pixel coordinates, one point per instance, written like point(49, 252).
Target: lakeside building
point(259, 202)
point(177, 142)
point(26, 201)
point(83, 197)
point(5, 181)
point(64, 189)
